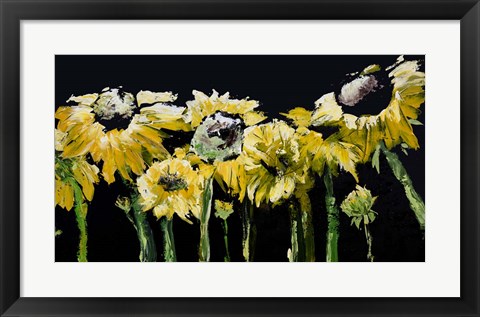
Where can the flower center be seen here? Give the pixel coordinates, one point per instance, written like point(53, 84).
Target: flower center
point(356, 90)
point(219, 137)
point(172, 182)
point(114, 108)
point(280, 168)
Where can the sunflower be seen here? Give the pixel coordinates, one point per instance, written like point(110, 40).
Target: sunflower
point(223, 209)
point(358, 206)
point(273, 162)
point(171, 187)
point(75, 179)
point(357, 138)
point(76, 170)
point(120, 149)
point(219, 124)
point(93, 126)
point(393, 125)
point(327, 154)
point(333, 151)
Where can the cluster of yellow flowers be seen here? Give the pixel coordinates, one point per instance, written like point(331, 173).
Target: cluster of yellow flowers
point(265, 162)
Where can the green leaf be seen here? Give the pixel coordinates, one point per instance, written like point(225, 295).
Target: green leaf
point(414, 122)
point(404, 151)
point(376, 159)
point(371, 216)
point(358, 220)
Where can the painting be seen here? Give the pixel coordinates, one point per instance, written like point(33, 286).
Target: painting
point(239, 158)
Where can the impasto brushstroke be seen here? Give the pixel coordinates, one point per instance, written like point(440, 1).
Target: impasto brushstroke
point(219, 160)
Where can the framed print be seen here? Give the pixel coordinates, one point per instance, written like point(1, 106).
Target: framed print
point(264, 158)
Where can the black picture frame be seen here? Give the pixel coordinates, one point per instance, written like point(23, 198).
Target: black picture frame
point(12, 12)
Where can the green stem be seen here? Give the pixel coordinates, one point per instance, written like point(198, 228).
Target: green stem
point(368, 236)
point(225, 239)
point(204, 250)
point(332, 218)
point(307, 225)
point(81, 209)
point(297, 251)
point(169, 253)
point(249, 231)
point(416, 202)
point(148, 249)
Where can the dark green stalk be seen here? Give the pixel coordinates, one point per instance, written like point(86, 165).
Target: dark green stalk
point(332, 218)
point(169, 252)
point(307, 225)
point(297, 251)
point(225, 239)
point(369, 238)
point(204, 250)
point(249, 231)
point(81, 209)
point(416, 202)
point(148, 249)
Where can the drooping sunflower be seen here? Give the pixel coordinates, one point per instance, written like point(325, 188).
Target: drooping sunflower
point(355, 139)
point(75, 179)
point(120, 149)
point(112, 128)
point(393, 126)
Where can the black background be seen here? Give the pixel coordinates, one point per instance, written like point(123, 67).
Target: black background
point(280, 83)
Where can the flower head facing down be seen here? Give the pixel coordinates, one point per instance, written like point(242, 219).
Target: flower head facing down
point(358, 205)
point(393, 124)
point(273, 162)
point(89, 130)
point(171, 186)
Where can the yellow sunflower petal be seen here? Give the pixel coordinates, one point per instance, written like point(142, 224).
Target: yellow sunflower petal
point(327, 111)
point(253, 117)
point(85, 100)
point(148, 97)
point(301, 117)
